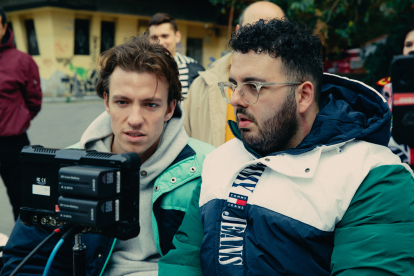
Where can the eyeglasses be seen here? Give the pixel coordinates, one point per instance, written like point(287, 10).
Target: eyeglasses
point(249, 91)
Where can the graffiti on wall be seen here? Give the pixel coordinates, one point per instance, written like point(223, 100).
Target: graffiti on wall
point(81, 82)
point(64, 85)
point(94, 52)
point(78, 79)
point(78, 85)
point(61, 48)
point(64, 61)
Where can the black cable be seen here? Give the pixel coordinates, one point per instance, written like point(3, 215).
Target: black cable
point(71, 230)
point(17, 269)
point(56, 231)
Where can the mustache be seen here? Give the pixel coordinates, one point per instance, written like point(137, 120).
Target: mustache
point(243, 111)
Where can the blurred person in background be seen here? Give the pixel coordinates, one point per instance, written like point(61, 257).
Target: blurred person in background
point(403, 151)
point(20, 101)
point(409, 40)
point(163, 30)
point(206, 112)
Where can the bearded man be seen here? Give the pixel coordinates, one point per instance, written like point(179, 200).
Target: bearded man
point(309, 186)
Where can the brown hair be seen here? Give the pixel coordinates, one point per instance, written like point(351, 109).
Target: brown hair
point(139, 55)
point(161, 18)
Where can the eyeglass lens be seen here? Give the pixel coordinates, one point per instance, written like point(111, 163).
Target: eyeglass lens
point(248, 92)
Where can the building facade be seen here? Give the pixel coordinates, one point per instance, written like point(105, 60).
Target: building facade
point(65, 38)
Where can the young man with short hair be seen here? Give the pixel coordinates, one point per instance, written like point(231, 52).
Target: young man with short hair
point(163, 30)
point(309, 186)
point(140, 86)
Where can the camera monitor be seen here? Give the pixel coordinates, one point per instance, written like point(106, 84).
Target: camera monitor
point(402, 78)
point(99, 191)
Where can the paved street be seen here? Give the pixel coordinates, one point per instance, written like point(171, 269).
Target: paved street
point(58, 125)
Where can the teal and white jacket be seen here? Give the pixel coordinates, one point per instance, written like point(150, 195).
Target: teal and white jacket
point(341, 203)
point(170, 191)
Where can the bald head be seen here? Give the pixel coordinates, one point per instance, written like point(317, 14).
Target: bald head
point(260, 10)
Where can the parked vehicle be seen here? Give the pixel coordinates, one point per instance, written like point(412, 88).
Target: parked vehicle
point(345, 62)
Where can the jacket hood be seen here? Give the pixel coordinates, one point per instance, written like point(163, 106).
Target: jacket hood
point(349, 110)
point(8, 40)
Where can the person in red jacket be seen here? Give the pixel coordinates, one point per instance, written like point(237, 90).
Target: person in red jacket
point(20, 101)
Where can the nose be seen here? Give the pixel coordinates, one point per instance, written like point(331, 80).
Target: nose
point(135, 118)
point(162, 42)
point(236, 100)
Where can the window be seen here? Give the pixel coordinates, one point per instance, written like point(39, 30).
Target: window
point(142, 26)
point(32, 46)
point(195, 49)
point(81, 37)
point(107, 35)
point(142, 23)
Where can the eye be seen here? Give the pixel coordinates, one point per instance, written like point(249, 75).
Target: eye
point(151, 105)
point(251, 86)
point(121, 103)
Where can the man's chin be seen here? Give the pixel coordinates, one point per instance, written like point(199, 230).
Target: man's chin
point(138, 150)
point(249, 132)
point(129, 147)
point(248, 138)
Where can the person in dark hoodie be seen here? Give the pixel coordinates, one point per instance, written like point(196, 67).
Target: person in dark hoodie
point(20, 101)
point(142, 92)
point(309, 186)
point(405, 153)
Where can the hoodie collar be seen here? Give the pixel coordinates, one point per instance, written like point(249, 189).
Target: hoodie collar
point(349, 110)
point(7, 41)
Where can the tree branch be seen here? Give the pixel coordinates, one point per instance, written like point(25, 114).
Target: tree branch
point(331, 10)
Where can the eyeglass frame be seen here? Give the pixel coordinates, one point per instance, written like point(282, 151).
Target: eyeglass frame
point(258, 85)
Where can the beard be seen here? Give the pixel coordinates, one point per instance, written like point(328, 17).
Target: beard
point(275, 133)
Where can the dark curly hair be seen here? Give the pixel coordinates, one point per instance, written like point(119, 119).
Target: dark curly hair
point(139, 55)
point(298, 48)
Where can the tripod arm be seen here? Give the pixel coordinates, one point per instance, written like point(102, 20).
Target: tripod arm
point(79, 257)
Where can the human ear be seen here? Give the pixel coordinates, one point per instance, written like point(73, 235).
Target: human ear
point(305, 94)
point(177, 37)
point(170, 110)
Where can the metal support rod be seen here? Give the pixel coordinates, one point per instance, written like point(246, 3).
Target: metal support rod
point(79, 257)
